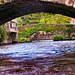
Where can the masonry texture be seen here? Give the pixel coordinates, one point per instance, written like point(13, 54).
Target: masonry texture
point(66, 2)
point(10, 9)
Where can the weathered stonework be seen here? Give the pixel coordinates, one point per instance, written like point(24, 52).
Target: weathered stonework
point(66, 2)
point(17, 8)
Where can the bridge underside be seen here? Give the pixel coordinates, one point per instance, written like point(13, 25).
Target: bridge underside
point(13, 10)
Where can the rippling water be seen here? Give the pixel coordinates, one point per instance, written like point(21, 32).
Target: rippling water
point(47, 54)
point(43, 48)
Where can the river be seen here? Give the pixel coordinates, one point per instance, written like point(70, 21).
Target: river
point(43, 57)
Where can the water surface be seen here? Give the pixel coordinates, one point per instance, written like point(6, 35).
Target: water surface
point(44, 57)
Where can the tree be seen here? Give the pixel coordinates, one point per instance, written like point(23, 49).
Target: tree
point(43, 18)
point(69, 29)
point(19, 21)
point(3, 33)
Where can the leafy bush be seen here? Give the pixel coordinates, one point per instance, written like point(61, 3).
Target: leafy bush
point(68, 38)
point(58, 37)
point(69, 29)
point(3, 34)
point(23, 40)
point(27, 40)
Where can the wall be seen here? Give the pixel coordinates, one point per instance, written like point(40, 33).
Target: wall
point(72, 21)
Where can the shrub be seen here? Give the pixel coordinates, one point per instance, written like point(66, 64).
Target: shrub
point(3, 34)
point(27, 40)
point(23, 40)
point(58, 37)
point(68, 38)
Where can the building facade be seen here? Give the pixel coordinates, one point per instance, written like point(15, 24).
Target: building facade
point(72, 21)
point(11, 26)
point(12, 29)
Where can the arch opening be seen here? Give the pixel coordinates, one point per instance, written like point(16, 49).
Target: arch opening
point(14, 9)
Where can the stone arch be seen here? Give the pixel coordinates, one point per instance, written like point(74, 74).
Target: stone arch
point(18, 8)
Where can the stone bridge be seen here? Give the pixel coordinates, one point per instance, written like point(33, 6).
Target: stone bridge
point(10, 9)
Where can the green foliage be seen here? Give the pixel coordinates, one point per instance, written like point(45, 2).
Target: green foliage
point(55, 29)
point(26, 32)
point(43, 18)
point(68, 38)
point(42, 21)
point(1, 1)
point(58, 37)
point(3, 33)
point(22, 40)
point(19, 21)
point(69, 29)
point(27, 40)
